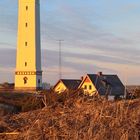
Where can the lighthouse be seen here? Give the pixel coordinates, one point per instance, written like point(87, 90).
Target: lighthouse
point(28, 74)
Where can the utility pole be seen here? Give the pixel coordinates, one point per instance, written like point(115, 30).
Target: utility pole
point(60, 58)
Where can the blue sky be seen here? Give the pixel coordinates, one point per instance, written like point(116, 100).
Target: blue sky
point(99, 35)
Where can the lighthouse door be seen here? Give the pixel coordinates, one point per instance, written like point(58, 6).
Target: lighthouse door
point(25, 79)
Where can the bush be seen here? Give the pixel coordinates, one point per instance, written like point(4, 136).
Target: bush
point(134, 94)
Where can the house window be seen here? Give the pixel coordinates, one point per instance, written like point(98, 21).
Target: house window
point(85, 87)
point(26, 24)
point(25, 64)
point(90, 87)
point(25, 80)
point(26, 8)
point(26, 43)
point(38, 81)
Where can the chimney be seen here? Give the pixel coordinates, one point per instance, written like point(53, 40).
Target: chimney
point(100, 73)
point(82, 78)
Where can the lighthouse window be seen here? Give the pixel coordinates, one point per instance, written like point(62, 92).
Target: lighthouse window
point(26, 8)
point(26, 24)
point(26, 43)
point(25, 64)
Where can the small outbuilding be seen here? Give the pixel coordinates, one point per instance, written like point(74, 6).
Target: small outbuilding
point(66, 85)
point(102, 84)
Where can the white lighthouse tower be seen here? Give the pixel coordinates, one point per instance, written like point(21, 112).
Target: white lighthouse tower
point(28, 73)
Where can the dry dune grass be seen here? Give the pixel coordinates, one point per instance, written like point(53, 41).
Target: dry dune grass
point(75, 117)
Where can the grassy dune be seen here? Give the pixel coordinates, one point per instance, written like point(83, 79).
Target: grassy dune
point(75, 117)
